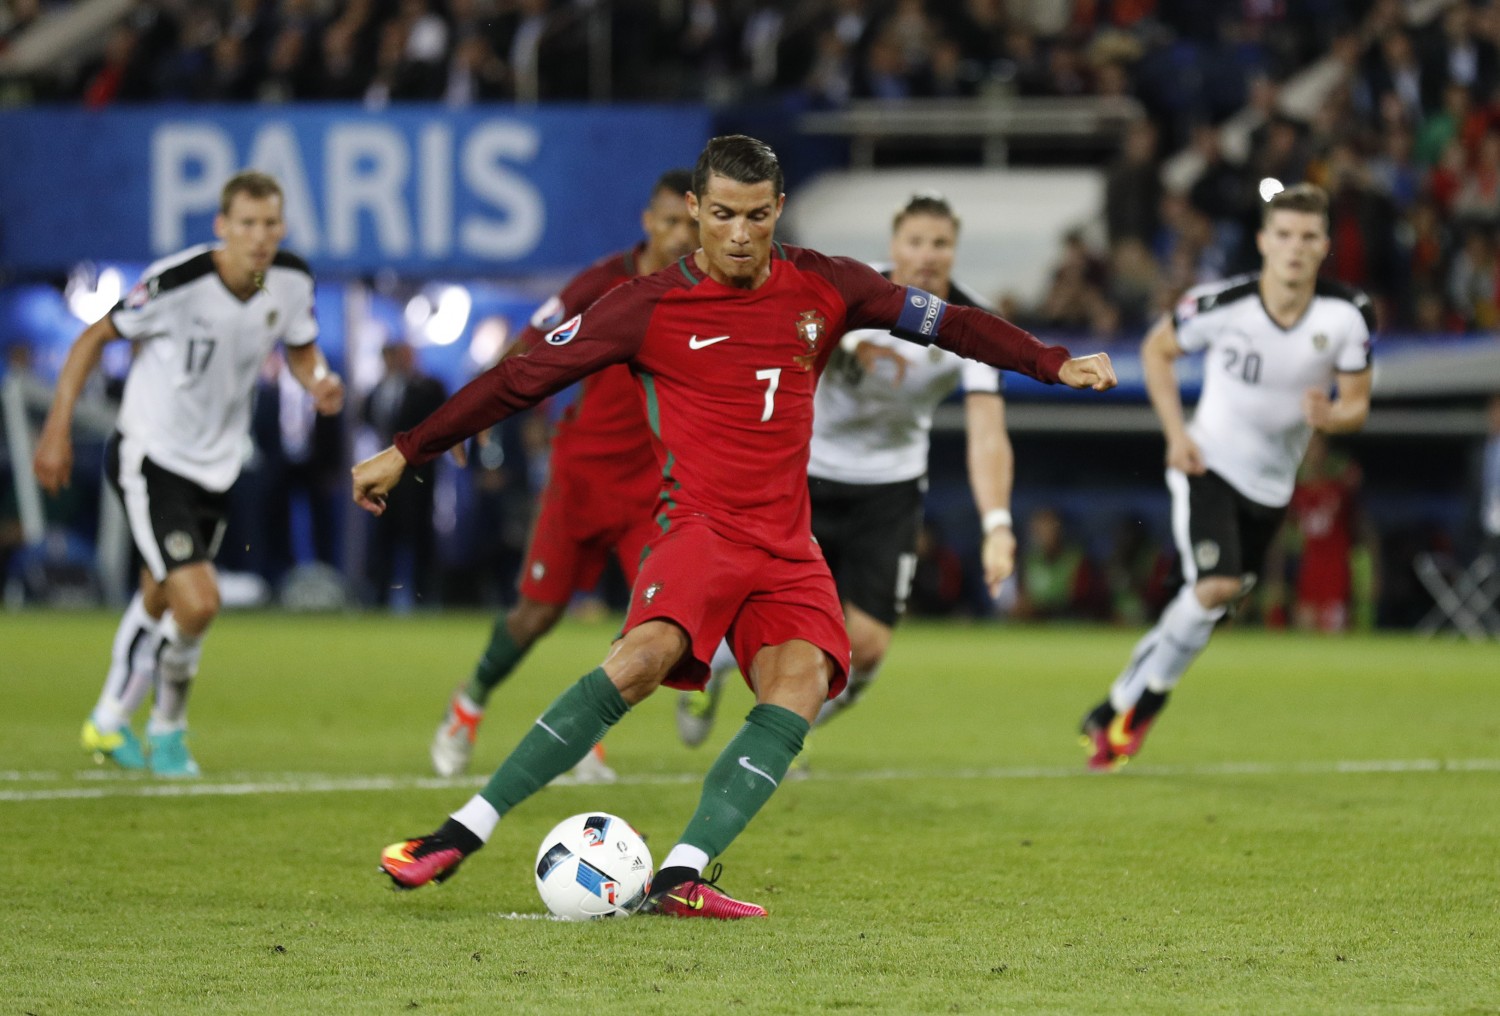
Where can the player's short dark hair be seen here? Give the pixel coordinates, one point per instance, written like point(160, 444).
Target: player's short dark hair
point(738, 158)
point(1302, 197)
point(674, 181)
point(251, 183)
point(926, 203)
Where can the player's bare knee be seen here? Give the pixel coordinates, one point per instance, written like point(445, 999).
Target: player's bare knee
point(641, 660)
point(1217, 591)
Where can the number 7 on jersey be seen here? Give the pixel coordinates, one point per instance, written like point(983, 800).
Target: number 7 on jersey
point(773, 375)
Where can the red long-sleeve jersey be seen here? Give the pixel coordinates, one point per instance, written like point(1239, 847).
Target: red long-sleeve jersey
point(726, 377)
point(603, 433)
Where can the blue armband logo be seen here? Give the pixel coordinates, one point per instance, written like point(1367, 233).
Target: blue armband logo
point(921, 313)
point(563, 334)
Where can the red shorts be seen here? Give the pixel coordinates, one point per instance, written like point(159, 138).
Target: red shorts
point(578, 525)
point(710, 586)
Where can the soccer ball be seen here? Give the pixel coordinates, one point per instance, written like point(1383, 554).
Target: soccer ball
point(593, 865)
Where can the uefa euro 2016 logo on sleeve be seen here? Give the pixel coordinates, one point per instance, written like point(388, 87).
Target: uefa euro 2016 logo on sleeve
point(563, 333)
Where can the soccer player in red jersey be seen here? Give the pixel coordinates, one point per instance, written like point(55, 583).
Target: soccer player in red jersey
point(602, 487)
point(726, 347)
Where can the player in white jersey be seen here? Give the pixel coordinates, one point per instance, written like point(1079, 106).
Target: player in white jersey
point(867, 472)
point(202, 322)
point(1275, 344)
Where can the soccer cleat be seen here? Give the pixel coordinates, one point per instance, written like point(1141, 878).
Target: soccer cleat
point(592, 768)
point(170, 757)
point(696, 710)
point(1127, 734)
point(453, 744)
point(1094, 731)
point(699, 897)
point(413, 863)
point(122, 747)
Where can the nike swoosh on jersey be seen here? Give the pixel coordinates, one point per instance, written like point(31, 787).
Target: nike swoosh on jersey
point(697, 343)
point(745, 763)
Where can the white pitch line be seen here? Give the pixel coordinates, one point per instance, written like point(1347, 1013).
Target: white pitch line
point(314, 783)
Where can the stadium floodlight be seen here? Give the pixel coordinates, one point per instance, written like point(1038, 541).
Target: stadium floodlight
point(91, 292)
point(1270, 187)
point(488, 341)
point(450, 317)
point(418, 312)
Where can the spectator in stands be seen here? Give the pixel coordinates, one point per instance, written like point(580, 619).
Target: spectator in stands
point(1478, 196)
point(1132, 188)
point(118, 75)
point(1457, 58)
point(1139, 573)
point(341, 76)
point(1324, 517)
point(1055, 579)
point(399, 401)
point(830, 81)
point(1362, 225)
point(475, 73)
point(1394, 173)
point(937, 586)
point(1444, 125)
point(1394, 70)
point(1472, 280)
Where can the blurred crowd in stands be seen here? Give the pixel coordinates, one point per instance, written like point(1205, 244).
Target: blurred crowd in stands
point(1394, 108)
point(1406, 134)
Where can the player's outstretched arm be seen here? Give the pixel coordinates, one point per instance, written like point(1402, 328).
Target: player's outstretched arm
point(310, 368)
point(1094, 372)
point(53, 462)
point(374, 478)
point(991, 476)
point(1348, 411)
point(1159, 353)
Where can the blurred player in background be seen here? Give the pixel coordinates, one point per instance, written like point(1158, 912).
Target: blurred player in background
point(602, 483)
point(727, 347)
point(867, 473)
point(1275, 343)
point(203, 321)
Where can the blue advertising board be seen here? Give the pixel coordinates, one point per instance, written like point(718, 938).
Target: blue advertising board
point(412, 189)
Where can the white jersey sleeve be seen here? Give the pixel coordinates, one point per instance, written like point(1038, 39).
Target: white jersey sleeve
point(302, 321)
point(1354, 346)
point(1197, 315)
point(140, 315)
point(980, 377)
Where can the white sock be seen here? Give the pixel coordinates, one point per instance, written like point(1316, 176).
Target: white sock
point(721, 665)
point(684, 856)
point(120, 697)
point(176, 668)
point(860, 679)
point(479, 817)
point(1165, 652)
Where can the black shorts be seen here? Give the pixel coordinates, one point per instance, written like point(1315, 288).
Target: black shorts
point(1218, 530)
point(868, 533)
point(173, 521)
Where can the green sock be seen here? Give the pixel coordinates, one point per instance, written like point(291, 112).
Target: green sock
point(744, 777)
point(498, 660)
point(557, 741)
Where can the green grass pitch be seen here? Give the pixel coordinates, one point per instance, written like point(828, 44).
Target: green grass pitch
point(1313, 828)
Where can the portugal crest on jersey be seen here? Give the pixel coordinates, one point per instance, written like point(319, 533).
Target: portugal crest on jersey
point(811, 327)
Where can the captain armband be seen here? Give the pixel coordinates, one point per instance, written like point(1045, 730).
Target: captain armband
point(921, 314)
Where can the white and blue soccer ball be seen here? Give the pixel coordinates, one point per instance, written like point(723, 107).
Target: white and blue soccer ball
point(593, 865)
